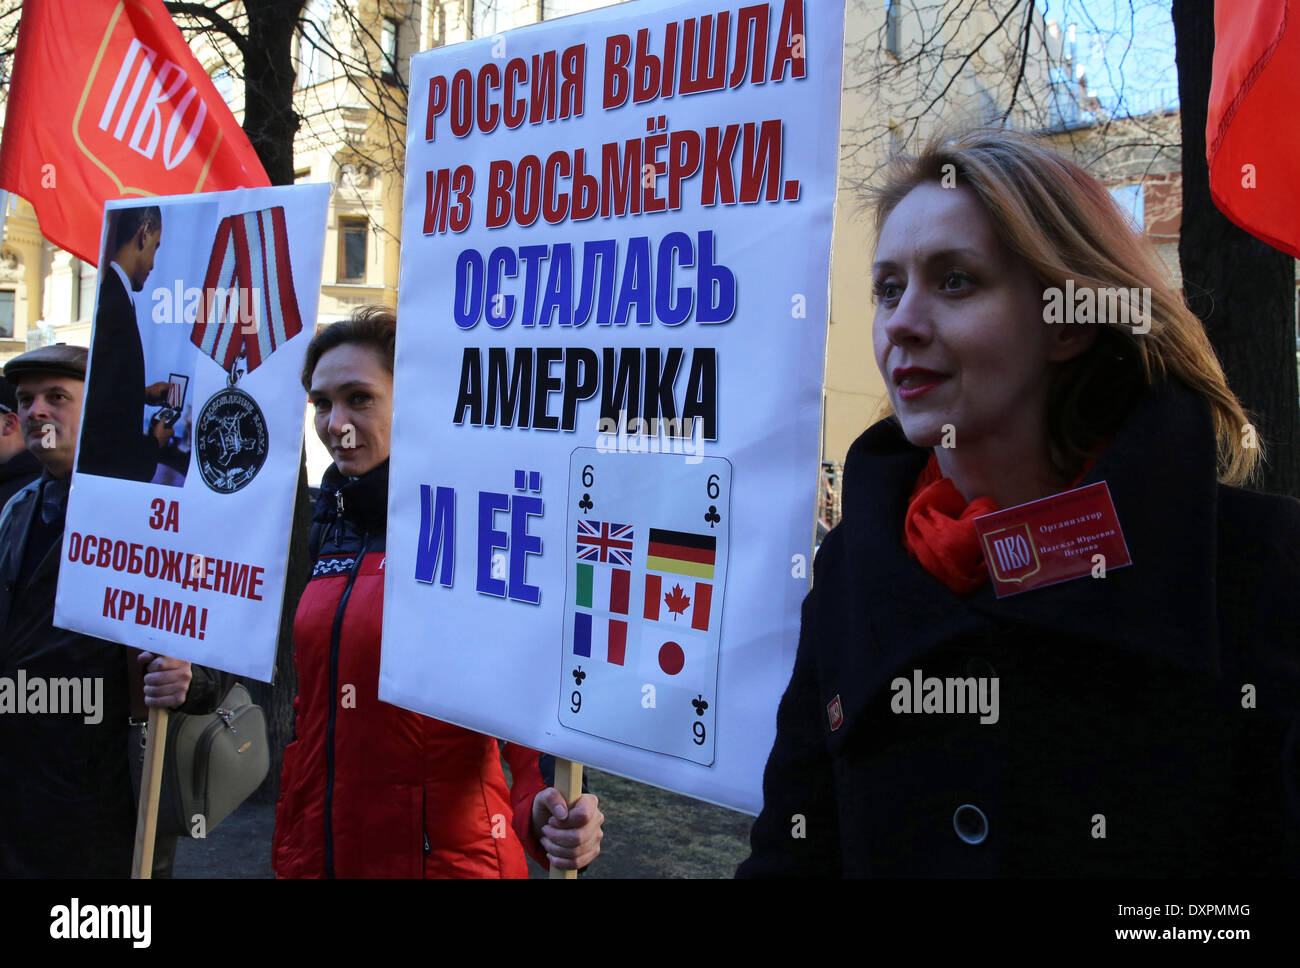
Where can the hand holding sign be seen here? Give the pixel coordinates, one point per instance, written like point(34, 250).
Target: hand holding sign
point(570, 835)
point(166, 681)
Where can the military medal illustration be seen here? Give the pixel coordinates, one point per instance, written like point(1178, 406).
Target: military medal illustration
point(231, 438)
point(249, 309)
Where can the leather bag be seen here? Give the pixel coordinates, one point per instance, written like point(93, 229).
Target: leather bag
point(211, 765)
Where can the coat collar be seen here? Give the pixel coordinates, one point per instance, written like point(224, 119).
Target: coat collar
point(22, 464)
point(1161, 472)
point(365, 498)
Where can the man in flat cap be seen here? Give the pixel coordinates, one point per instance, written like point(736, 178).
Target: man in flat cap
point(18, 467)
point(68, 809)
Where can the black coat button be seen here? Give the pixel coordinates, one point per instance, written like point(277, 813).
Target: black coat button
point(970, 823)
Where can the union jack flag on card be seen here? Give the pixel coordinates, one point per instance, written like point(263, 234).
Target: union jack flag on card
point(602, 541)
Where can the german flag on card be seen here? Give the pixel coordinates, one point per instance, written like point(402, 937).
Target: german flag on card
point(682, 553)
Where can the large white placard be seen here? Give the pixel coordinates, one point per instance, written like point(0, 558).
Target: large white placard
point(178, 544)
point(614, 288)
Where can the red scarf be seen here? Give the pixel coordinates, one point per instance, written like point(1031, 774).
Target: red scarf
point(939, 530)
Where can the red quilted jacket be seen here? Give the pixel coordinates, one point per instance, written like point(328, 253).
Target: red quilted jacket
point(369, 789)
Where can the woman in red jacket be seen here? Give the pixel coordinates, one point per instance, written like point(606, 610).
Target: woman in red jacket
point(369, 789)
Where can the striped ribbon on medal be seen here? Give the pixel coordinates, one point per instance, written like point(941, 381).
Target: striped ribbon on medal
point(249, 305)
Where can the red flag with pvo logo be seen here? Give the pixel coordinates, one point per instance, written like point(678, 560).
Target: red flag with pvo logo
point(1252, 141)
point(107, 101)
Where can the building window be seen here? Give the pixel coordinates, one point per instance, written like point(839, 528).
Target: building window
point(224, 82)
point(488, 18)
point(352, 249)
point(314, 64)
point(388, 49)
point(6, 314)
point(85, 296)
point(891, 27)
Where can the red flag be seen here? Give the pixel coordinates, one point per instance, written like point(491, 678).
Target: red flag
point(107, 101)
point(1252, 145)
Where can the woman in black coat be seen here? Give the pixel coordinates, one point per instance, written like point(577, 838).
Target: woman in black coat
point(1130, 721)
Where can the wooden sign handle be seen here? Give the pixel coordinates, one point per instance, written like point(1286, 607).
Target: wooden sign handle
point(568, 780)
point(146, 816)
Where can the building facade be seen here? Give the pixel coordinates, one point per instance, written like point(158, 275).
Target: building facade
point(909, 70)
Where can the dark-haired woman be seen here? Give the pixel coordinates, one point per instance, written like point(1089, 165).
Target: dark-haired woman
point(369, 789)
point(1129, 721)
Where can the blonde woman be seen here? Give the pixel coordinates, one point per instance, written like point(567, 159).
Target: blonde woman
point(1125, 721)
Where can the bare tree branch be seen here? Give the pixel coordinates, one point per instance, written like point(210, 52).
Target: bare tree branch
point(209, 13)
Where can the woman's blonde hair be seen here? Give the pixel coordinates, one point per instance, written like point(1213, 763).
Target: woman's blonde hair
point(1065, 226)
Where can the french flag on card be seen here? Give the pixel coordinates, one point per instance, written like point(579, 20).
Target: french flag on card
point(607, 635)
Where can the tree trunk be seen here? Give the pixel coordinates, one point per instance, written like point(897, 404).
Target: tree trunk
point(269, 118)
point(276, 698)
point(271, 122)
point(1242, 289)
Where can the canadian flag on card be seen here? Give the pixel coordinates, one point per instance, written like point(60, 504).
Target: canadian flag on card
point(685, 594)
point(672, 599)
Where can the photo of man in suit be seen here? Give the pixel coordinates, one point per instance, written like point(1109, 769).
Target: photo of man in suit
point(113, 442)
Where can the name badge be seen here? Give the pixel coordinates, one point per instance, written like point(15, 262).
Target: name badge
point(1052, 540)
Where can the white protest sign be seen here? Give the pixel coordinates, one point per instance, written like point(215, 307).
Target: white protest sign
point(611, 330)
point(177, 529)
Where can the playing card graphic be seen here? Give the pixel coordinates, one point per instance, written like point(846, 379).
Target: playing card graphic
point(644, 595)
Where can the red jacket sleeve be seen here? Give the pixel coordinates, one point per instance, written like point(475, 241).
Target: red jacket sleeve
point(526, 781)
